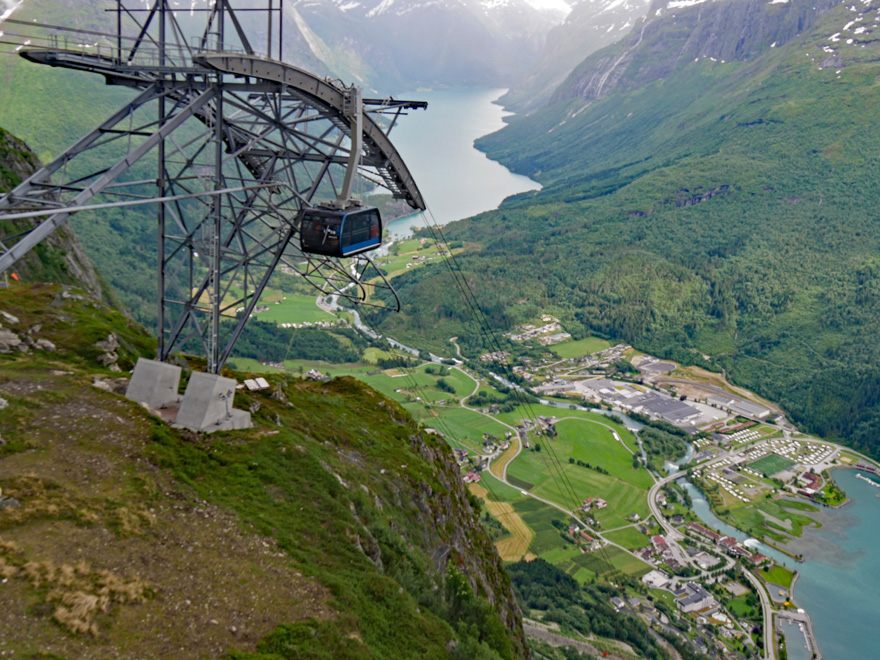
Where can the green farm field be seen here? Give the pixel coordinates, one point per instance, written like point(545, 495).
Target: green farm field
point(777, 575)
point(630, 538)
point(792, 516)
point(568, 484)
point(573, 349)
point(295, 309)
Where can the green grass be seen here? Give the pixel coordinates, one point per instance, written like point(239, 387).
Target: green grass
point(584, 575)
point(499, 491)
point(630, 538)
point(559, 555)
point(295, 309)
point(539, 516)
point(573, 349)
point(550, 472)
point(463, 423)
point(628, 564)
point(609, 561)
point(664, 596)
point(777, 575)
point(749, 519)
point(740, 608)
point(373, 355)
point(331, 473)
point(771, 464)
point(623, 498)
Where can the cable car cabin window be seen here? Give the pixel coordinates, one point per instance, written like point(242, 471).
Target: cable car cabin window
point(340, 233)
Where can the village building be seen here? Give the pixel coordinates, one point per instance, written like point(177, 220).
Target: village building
point(694, 598)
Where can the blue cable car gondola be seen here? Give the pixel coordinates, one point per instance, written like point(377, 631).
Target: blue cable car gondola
point(337, 233)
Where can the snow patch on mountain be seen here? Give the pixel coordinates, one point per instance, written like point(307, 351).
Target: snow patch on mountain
point(381, 8)
point(678, 4)
point(7, 7)
point(552, 6)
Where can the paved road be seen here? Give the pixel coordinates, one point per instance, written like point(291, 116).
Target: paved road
point(517, 446)
point(767, 609)
point(674, 535)
point(671, 533)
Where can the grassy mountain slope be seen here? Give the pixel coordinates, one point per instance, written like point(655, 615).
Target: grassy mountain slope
point(720, 209)
point(333, 529)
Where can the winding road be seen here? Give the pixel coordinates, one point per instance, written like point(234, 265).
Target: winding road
point(673, 535)
point(516, 448)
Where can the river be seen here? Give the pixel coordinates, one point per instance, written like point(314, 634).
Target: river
point(437, 144)
point(839, 583)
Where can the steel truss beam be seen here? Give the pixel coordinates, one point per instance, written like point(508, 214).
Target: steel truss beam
point(243, 142)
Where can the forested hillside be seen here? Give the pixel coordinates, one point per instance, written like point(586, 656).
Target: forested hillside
point(724, 209)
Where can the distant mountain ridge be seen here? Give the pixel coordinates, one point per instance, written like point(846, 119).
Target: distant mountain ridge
point(408, 44)
point(591, 25)
point(682, 31)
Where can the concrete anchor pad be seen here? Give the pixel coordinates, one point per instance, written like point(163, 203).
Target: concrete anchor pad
point(154, 383)
point(207, 405)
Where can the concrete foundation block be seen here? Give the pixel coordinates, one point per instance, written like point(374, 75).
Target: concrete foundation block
point(207, 405)
point(154, 383)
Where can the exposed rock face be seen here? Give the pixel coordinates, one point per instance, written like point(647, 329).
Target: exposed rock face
point(12, 340)
point(59, 258)
point(726, 30)
point(450, 511)
point(591, 26)
point(9, 341)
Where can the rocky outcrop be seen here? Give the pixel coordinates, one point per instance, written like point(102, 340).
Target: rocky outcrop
point(589, 27)
point(674, 35)
point(466, 544)
point(60, 258)
point(15, 338)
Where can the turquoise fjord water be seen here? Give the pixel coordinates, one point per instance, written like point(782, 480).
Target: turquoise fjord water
point(840, 581)
point(437, 145)
point(839, 584)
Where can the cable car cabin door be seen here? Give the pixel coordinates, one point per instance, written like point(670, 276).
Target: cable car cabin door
point(340, 233)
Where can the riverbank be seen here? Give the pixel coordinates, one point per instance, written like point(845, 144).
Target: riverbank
point(837, 583)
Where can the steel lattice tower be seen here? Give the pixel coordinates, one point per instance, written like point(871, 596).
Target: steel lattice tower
point(243, 142)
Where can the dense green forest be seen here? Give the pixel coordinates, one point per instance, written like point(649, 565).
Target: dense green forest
point(724, 215)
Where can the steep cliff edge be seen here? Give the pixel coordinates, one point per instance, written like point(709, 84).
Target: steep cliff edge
point(60, 258)
point(590, 26)
point(333, 529)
